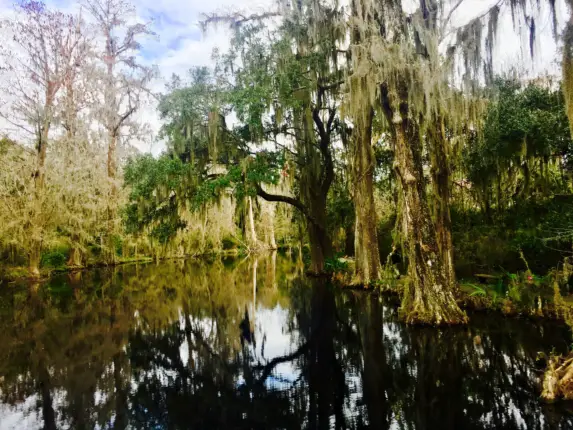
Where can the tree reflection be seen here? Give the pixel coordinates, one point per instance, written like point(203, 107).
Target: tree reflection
point(250, 344)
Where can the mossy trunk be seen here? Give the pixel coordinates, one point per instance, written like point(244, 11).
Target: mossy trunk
point(76, 256)
point(252, 234)
point(367, 256)
point(110, 256)
point(35, 257)
point(39, 183)
point(567, 66)
point(319, 240)
point(428, 296)
point(441, 190)
point(272, 237)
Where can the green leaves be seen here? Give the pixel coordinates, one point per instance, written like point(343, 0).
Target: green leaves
point(525, 127)
point(157, 186)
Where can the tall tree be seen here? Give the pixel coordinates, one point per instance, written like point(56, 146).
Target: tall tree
point(125, 83)
point(284, 92)
point(36, 67)
point(405, 78)
point(367, 254)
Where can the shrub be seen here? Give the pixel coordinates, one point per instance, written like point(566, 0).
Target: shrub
point(53, 259)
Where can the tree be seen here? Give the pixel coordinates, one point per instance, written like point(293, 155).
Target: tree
point(284, 93)
point(521, 154)
point(404, 77)
point(125, 83)
point(38, 64)
point(367, 255)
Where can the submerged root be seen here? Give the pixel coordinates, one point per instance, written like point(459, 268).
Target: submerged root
point(558, 379)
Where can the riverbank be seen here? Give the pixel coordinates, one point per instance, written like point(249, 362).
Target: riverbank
point(10, 274)
point(515, 295)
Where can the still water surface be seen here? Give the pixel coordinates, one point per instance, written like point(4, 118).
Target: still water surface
point(252, 344)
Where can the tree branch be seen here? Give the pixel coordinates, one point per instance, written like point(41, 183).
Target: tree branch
point(286, 199)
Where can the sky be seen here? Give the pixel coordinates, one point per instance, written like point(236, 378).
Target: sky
point(180, 43)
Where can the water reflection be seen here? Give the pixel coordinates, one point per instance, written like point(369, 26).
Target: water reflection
point(252, 344)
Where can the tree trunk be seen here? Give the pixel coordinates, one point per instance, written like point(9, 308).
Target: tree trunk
point(112, 126)
point(367, 256)
point(272, 239)
point(349, 240)
point(34, 258)
point(441, 189)
point(76, 257)
point(253, 240)
point(39, 182)
point(320, 243)
point(428, 297)
point(111, 174)
point(41, 157)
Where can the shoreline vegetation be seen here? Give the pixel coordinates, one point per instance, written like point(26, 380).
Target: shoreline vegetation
point(512, 295)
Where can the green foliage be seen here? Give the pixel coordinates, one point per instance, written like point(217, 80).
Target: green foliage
point(117, 241)
point(156, 186)
point(478, 291)
point(53, 259)
point(230, 243)
point(514, 157)
point(541, 229)
point(335, 264)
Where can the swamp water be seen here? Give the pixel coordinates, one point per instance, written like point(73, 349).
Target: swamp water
point(253, 344)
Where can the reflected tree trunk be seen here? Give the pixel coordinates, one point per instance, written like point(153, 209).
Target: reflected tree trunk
point(374, 378)
point(119, 372)
point(274, 270)
point(48, 414)
point(254, 312)
point(325, 376)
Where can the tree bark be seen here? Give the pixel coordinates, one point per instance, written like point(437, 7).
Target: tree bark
point(39, 182)
point(111, 204)
point(441, 189)
point(76, 257)
point(272, 238)
point(366, 253)
point(253, 240)
point(367, 256)
point(349, 240)
point(34, 258)
point(319, 240)
point(428, 297)
point(112, 127)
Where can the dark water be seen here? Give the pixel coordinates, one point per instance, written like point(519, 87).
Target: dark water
point(253, 345)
